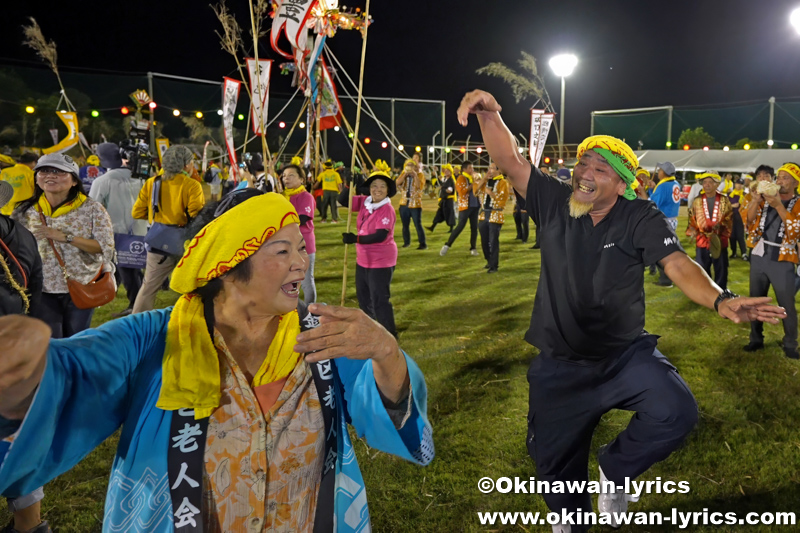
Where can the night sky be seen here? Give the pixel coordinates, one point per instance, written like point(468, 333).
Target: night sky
point(631, 53)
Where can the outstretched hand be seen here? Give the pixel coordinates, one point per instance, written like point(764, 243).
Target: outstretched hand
point(345, 332)
point(476, 102)
point(760, 309)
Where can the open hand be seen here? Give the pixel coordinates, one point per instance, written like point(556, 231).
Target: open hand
point(476, 102)
point(739, 310)
point(345, 332)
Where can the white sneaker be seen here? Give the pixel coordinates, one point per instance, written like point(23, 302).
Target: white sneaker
point(558, 528)
point(444, 249)
point(613, 502)
point(473, 252)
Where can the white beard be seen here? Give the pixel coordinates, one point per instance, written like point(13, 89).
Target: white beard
point(577, 209)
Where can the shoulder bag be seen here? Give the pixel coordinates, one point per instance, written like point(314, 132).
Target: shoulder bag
point(100, 291)
point(163, 238)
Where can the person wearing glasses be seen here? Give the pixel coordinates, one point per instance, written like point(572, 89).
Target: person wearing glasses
point(79, 228)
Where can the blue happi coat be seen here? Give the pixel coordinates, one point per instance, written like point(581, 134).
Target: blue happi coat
point(110, 377)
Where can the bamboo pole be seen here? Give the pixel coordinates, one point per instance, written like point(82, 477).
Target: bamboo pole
point(355, 136)
point(362, 151)
point(316, 140)
point(266, 157)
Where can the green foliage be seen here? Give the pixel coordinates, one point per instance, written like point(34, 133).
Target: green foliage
point(464, 329)
point(696, 139)
point(754, 145)
point(523, 86)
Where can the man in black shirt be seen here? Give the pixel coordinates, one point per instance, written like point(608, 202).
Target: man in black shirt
point(588, 316)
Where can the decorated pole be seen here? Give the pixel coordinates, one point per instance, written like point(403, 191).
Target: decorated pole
point(353, 157)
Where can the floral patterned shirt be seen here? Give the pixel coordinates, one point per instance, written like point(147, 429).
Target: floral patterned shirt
point(498, 205)
point(89, 221)
point(790, 232)
point(263, 467)
point(411, 194)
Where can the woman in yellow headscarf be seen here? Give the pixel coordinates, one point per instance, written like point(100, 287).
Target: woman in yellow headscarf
point(234, 404)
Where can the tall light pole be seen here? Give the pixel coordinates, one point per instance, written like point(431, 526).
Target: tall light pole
point(562, 66)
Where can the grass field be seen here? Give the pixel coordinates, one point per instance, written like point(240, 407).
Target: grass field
point(464, 328)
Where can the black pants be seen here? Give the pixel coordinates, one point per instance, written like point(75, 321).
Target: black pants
point(329, 199)
point(737, 235)
point(490, 242)
point(58, 312)
point(720, 265)
point(567, 401)
point(781, 275)
point(522, 223)
point(407, 214)
point(373, 292)
point(446, 213)
point(131, 279)
point(470, 214)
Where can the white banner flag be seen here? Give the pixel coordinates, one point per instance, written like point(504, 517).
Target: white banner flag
point(259, 84)
point(291, 16)
point(540, 129)
point(230, 95)
point(54, 135)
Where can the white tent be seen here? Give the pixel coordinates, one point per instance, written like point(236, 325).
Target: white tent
point(719, 160)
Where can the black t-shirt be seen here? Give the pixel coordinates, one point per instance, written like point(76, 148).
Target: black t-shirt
point(589, 304)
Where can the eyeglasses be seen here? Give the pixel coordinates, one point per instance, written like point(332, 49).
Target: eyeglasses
point(51, 172)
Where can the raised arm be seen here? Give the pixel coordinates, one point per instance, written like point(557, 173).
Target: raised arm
point(499, 140)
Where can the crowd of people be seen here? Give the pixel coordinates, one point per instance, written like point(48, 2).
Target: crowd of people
point(247, 349)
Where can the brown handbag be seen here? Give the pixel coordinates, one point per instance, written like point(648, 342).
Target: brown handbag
point(100, 291)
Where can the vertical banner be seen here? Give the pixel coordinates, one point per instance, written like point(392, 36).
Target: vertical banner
point(163, 145)
point(330, 108)
point(230, 95)
point(82, 137)
point(70, 120)
point(540, 129)
point(290, 16)
point(259, 84)
point(54, 135)
point(544, 131)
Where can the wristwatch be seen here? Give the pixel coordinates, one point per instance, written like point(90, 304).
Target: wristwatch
point(724, 295)
point(68, 238)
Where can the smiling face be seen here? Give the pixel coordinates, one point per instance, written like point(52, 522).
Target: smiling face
point(291, 180)
point(787, 182)
point(278, 268)
point(595, 182)
point(54, 181)
point(378, 190)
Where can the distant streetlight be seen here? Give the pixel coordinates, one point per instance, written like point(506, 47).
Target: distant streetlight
point(401, 148)
point(30, 109)
point(562, 66)
point(794, 19)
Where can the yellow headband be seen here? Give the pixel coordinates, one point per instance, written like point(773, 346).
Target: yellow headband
point(612, 144)
point(792, 169)
point(449, 167)
point(93, 160)
point(708, 174)
point(190, 368)
point(642, 171)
